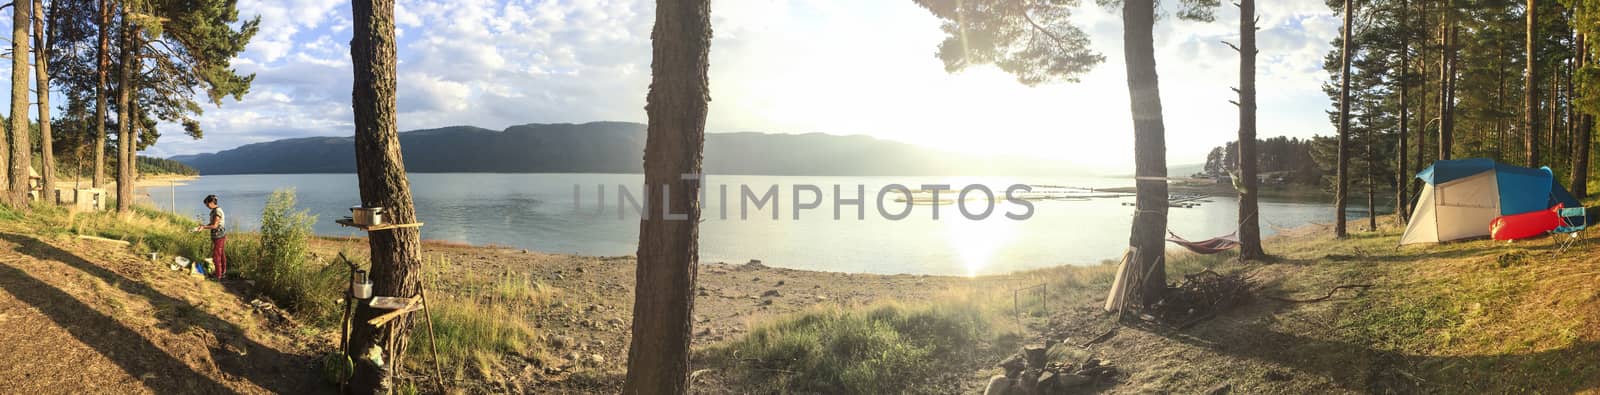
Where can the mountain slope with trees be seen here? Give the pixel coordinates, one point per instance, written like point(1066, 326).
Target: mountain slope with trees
point(611, 147)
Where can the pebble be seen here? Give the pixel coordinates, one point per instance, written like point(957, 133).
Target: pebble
point(560, 342)
point(771, 293)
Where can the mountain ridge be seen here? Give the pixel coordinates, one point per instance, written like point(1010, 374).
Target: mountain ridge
point(615, 147)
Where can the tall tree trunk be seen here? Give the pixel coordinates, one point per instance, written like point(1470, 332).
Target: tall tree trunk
point(1444, 84)
point(1583, 133)
point(658, 358)
point(127, 144)
point(1422, 133)
point(1149, 147)
point(1372, 166)
point(1447, 96)
point(103, 72)
point(1530, 100)
point(21, 142)
point(381, 172)
point(1569, 113)
point(1249, 218)
point(1341, 189)
point(1551, 111)
point(1401, 183)
point(1500, 100)
point(41, 57)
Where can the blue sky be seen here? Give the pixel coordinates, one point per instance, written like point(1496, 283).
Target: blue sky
point(783, 66)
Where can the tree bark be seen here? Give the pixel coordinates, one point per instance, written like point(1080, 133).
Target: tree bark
point(1372, 166)
point(380, 171)
point(1249, 220)
point(1449, 122)
point(1447, 86)
point(1500, 100)
point(1341, 189)
point(658, 358)
point(127, 144)
point(1401, 177)
point(41, 57)
point(1149, 148)
point(1583, 133)
point(21, 143)
point(103, 71)
point(1422, 133)
point(1553, 108)
point(1530, 100)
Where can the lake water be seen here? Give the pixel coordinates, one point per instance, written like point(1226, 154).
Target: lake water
point(538, 212)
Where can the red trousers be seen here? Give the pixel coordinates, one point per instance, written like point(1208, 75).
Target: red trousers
point(218, 256)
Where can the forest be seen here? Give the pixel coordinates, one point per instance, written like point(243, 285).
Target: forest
point(1428, 80)
point(1288, 160)
point(125, 69)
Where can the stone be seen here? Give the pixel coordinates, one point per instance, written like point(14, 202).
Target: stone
point(1012, 365)
point(560, 342)
point(1221, 389)
point(998, 385)
point(771, 293)
point(1046, 382)
point(1072, 380)
point(1029, 381)
point(580, 270)
point(1035, 354)
point(780, 283)
point(596, 359)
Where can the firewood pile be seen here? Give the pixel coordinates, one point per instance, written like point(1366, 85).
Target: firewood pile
point(1201, 296)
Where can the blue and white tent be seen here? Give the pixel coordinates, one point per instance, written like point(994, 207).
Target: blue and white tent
point(1462, 196)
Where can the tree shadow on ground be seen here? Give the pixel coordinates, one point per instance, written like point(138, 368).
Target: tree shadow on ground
point(130, 351)
point(1247, 332)
point(265, 366)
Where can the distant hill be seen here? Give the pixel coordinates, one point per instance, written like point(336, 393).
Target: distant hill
point(613, 147)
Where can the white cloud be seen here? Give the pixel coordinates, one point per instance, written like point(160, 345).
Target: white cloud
point(777, 66)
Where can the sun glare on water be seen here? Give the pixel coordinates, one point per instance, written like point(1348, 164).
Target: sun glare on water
point(978, 243)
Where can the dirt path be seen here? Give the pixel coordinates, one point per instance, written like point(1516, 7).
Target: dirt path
point(89, 317)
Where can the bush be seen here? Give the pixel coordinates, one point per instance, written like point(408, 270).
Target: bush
point(882, 349)
point(278, 260)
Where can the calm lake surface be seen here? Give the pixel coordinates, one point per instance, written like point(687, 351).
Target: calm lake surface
point(539, 212)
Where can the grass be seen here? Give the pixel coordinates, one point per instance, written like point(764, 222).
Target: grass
point(884, 348)
point(475, 327)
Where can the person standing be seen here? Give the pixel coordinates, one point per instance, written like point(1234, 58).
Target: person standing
point(219, 235)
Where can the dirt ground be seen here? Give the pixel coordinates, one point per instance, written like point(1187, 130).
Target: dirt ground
point(592, 317)
point(90, 317)
point(81, 316)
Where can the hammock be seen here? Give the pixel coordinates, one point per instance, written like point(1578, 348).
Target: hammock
point(1207, 246)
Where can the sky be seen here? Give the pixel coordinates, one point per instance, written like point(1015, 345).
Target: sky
point(777, 66)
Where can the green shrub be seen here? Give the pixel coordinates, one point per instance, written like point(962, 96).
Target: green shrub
point(881, 349)
point(278, 260)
